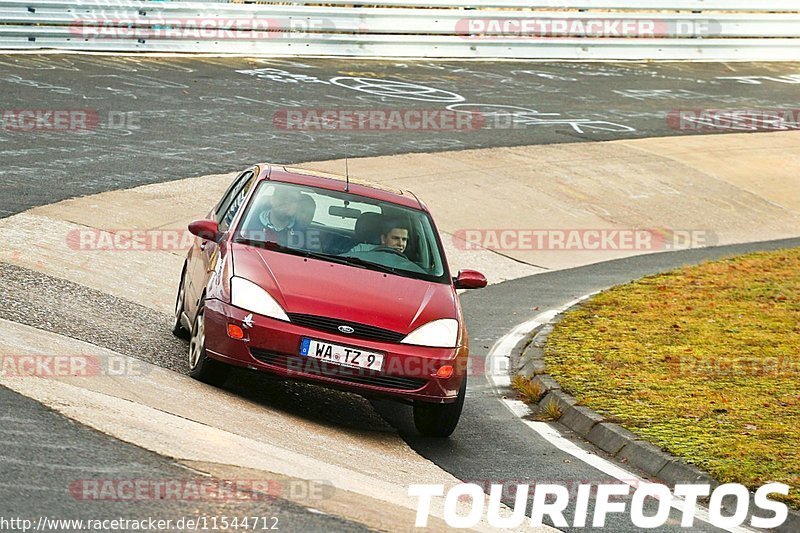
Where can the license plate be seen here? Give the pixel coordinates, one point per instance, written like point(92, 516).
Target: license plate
point(341, 355)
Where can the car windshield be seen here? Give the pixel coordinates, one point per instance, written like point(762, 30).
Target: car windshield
point(344, 228)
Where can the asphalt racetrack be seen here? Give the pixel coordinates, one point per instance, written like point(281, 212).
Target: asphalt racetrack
point(162, 119)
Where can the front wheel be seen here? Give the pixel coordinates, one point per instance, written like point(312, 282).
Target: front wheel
point(202, 367)
point(177, 326)
point(439, 419)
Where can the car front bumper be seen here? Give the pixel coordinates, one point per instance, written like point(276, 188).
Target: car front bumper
point(273, 346)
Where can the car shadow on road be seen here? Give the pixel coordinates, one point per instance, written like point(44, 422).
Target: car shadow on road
point(321, 405)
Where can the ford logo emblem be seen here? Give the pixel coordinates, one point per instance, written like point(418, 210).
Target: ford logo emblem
point(346, 329)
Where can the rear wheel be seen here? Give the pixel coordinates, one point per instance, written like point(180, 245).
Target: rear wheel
point(178, 328)
point(202, 367)
point(439, 419)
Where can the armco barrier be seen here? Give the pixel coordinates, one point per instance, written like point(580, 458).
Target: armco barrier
point(567, 29)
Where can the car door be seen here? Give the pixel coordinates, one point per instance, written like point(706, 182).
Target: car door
point(204, 255)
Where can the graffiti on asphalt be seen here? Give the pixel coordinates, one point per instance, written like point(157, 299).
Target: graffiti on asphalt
point(497, 115)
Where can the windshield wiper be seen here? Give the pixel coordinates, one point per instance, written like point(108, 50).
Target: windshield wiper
point(375, 266)
point(341, 259)
point(269, 245)
point(272, 245)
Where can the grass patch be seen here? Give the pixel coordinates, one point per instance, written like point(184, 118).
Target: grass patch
point(529, 391)
point(703, 361)
point(549, 411)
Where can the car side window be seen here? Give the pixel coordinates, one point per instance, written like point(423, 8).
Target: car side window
point(235, 200)
point(224, 204)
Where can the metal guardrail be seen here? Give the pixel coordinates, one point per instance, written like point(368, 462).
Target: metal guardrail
point(443, 29)
point(688, 5)
point(639, 5)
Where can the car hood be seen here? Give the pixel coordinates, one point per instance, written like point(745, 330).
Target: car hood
point(317, 287)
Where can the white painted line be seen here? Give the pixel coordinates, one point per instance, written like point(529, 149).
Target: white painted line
point(502, 348)
point(506, 343)
point(551, 435)
point(517, 407)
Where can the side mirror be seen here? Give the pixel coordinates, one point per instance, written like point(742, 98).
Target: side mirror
point(469, 279)
point(205, 229)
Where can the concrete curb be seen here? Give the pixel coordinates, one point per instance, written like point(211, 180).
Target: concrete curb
point(615, 440)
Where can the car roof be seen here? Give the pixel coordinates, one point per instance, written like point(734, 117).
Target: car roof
point(336, 182)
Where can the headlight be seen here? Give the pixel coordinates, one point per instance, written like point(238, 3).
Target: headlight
point(437, 334)
point(248, 296)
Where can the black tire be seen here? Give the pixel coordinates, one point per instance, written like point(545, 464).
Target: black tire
point(202, 367)
point(178, 329)
point(439, 419)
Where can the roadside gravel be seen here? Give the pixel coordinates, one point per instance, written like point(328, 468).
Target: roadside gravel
point(63, 307)
point(75, 311)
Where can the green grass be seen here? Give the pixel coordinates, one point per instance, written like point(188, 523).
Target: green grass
point(529, 391)
point(703, 361)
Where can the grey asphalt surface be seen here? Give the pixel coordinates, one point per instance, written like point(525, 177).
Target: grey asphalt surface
point(54, 304)
point(161, 119)
point(489, 445)
point(492, 446)
point(46, 458)
point(180, 117)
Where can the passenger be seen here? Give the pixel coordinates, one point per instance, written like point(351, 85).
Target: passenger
point(282, 220)
point(305, 210)
point(280, 216)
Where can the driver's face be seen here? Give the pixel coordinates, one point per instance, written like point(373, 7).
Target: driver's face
point(397, 239)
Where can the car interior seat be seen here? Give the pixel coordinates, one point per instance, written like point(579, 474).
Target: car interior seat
point(368, 229)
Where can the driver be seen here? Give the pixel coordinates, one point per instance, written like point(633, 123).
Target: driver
point(395, 235)
point(394, 238)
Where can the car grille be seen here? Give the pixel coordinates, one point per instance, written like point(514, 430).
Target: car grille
point(309, 365)
point(360, 331)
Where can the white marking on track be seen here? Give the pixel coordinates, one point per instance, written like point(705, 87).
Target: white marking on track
point(502, 348)
point(506, 343)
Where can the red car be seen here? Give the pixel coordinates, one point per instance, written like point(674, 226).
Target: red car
point(314, 277)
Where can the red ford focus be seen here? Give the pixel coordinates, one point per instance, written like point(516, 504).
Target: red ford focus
point(309, 276)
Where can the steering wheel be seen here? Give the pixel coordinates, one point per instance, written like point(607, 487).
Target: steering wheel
point(389, 249)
